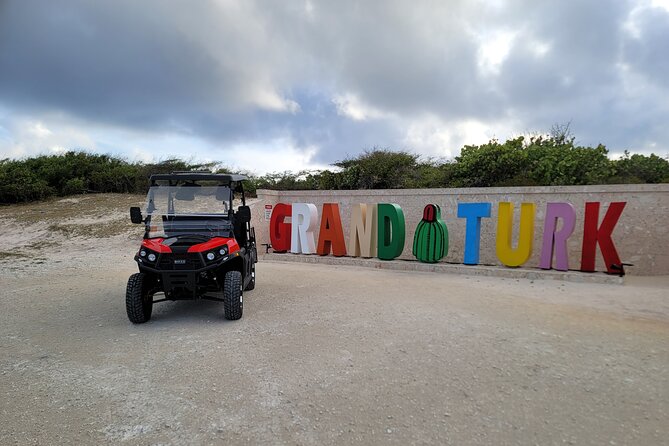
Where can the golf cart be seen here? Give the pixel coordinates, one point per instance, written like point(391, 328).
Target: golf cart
point(196, 244)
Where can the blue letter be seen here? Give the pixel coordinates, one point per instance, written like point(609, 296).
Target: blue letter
point(473, 212)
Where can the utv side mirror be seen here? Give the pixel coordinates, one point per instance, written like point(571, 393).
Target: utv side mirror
point(136, 215)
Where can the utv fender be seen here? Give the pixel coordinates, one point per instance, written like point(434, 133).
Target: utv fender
point(235, 264)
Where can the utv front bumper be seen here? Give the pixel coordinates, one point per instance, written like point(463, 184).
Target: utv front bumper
point(187, 275)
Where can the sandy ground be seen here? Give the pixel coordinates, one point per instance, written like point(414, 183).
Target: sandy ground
point(323, 355)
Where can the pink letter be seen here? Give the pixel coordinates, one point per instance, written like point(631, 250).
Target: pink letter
point(556, 241)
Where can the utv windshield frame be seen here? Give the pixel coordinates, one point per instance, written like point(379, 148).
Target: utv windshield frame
point(210, 216)
point(189, 200)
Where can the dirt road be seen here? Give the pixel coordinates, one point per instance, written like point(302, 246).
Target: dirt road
point(328, 355)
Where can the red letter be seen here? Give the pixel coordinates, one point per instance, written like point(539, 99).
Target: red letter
point(592, 235)
point(331, 234)
point(279, 230)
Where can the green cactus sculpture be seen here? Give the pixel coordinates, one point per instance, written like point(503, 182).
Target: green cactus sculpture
point(430, 242)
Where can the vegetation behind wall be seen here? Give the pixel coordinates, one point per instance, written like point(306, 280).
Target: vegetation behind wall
point(521, 161)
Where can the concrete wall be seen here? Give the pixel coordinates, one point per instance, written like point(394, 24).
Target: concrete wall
point(641, 235)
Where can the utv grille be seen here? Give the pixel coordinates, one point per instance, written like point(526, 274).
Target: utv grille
point(180, 261)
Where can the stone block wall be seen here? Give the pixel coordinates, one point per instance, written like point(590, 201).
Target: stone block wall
point(641, 235)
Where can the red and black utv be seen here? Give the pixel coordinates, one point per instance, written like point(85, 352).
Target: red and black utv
point(196, 244)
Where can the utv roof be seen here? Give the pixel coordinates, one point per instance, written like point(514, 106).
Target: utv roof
point(194, 176)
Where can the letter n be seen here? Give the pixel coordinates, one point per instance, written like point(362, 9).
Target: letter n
point(362, 241)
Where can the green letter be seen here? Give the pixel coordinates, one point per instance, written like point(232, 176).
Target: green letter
point(390, 231)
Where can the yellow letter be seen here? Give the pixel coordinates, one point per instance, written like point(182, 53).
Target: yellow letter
point(505, 253)
point(363, 231)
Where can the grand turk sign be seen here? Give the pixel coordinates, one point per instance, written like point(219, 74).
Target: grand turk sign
point(378, 230)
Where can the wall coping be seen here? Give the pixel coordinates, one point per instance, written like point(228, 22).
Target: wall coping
point(608, 188)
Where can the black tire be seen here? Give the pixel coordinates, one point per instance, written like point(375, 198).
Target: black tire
point(252, 283)
point(138, 299)
point(233, 302)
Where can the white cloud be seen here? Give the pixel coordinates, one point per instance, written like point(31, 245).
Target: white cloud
point(663, 4)
point(39, 131)
point(631, 24)
point(494, 48)
point(267, 99)
point(432, 136)
point(301, 83)
point(540, 49)
point(31, 138)
point(141, 154)
point(352, 107)
point(57, 150)
point(28, 137)
point(278, 155)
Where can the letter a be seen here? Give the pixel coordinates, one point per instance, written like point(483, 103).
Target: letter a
point(331, 234)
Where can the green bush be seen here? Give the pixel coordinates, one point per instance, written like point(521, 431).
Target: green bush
point(74, 186)
point(551, 160)
point(490, 164)
point(641, 169)
point(380, 169)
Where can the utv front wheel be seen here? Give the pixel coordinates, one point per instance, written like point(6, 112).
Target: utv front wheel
point(233, 304)
point(138, 299)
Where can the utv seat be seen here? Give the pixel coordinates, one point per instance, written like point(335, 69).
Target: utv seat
point(241, 222)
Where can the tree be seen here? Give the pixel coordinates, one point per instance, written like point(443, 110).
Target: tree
point(490, 164)
point(641, 169)
point(380, 169)
point(558, 162)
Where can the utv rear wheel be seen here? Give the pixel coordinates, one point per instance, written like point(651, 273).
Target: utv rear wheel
point(138, 299)
point(252, 282)
point(233, 303)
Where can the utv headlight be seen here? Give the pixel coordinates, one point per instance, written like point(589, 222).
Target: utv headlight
point(211, 256)
point(223, 251)
point(142, 253)
point(152, 257)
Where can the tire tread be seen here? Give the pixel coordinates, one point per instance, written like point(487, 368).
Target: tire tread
point(138, 311)
point(232, 291)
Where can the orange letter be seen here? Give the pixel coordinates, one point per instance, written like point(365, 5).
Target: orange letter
point(331, 234)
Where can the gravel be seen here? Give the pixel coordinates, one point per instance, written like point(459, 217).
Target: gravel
point(328, 355)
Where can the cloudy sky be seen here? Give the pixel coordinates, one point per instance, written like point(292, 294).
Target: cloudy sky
point(288, 85)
